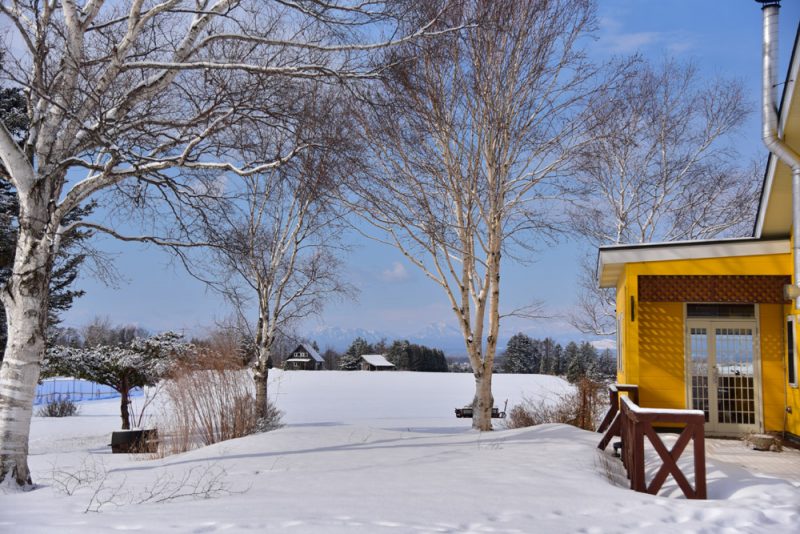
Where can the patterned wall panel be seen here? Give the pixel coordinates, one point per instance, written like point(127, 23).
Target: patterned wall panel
point(761, 289)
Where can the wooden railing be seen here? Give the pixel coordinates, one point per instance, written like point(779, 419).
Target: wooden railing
point(611, 422)
point(634, 423)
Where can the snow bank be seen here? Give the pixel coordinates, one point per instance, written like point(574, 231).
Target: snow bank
point(372, 453)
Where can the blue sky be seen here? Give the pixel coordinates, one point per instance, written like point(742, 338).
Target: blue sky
point(723, 37)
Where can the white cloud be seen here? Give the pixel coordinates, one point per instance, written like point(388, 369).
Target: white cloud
point(396, 273)
point(614, 39)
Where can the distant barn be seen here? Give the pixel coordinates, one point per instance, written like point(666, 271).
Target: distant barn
point(375, 362)
point(304, 358)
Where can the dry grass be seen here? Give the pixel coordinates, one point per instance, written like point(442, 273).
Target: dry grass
point(582, 408)
point(208, 401)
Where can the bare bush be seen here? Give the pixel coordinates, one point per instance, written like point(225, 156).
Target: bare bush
point(59, 407)
point(582, 408)
point(211, 401)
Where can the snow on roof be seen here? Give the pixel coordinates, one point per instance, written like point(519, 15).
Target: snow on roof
point(378, 360)
point(310, 350)
point(612, 259)
point(299, 360)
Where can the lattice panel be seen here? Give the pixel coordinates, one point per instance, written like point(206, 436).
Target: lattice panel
point(761, 289)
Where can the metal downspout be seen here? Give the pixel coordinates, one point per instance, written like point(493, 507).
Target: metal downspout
point(769, 115)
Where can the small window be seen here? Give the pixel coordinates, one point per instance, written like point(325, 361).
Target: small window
point(620, 338)
point(721, 310)
point(791, 351)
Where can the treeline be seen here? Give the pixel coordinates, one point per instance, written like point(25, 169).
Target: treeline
point(524, 354)
point(406, 356)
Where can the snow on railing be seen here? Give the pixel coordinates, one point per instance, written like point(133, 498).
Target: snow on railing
point(632, 423)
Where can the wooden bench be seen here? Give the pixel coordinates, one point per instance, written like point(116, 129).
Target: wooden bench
point(467, 411)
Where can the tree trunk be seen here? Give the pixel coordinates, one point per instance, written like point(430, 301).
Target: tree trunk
point(260, 377)
point(123, 405)
point(483, 402)
point(25, 298)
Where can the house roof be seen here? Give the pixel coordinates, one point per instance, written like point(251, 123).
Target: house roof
point(378, 360)
point(305, 347)
point(774, 217)
point(612, 259)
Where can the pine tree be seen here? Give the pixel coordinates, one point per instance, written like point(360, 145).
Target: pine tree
point(589, 360)
point(559, 361)
point(519, 355)
point(548, 364)
point(351, 359)
point(137, 363)
point(68, 260)
point(575, 365)
point(607, 365)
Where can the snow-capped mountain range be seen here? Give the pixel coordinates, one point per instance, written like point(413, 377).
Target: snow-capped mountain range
point(438, 335)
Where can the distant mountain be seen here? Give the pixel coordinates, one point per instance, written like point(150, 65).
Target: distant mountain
point(436, 335)
point(440, 336)
point(340, 338)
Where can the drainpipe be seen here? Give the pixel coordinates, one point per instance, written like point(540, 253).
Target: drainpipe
point(776, 145)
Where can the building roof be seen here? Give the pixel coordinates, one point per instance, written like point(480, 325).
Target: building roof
point(305, 347)
point(377, 360)
point(612, 259)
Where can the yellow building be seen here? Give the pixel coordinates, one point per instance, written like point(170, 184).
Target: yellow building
point(709, 325)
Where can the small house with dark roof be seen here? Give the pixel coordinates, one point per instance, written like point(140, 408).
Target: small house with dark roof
point(376, 362)
point(304, 358)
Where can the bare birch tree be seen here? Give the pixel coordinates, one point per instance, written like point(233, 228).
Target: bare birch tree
point(128, 91)
point(469, 137)
point(661, 169)
point(275, 239)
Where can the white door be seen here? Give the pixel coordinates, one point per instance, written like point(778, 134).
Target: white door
point(723, 374)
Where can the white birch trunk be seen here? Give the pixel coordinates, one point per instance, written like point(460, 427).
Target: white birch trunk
point(264, 339)
point(483, 402)
point(26, 301)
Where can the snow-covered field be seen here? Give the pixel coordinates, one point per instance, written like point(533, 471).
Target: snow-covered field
point(372, 452)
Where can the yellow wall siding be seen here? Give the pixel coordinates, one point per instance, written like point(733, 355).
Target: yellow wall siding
point(631, 333)
point(661, 355)
point(772, 371)
point(654, 343)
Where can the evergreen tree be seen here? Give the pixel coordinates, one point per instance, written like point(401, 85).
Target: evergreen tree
point(559, 361)
point(331, 358)
point(575, 364)
point(589, 359)
point(607, 365)
point(351, 360)
point(548, 364)
point(13, 114)
point(124, 366)
point(520, 355)
point(398, 354)
point(407, 356)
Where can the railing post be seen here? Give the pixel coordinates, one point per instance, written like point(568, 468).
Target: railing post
point(698, 439)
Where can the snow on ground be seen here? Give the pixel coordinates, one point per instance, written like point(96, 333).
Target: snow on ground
point(372, 453)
